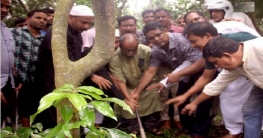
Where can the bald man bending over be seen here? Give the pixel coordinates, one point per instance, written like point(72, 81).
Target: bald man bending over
point(128, 65)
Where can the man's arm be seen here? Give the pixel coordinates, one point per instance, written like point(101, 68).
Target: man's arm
point(206, 77)
point(194, 68)
point(146, 78)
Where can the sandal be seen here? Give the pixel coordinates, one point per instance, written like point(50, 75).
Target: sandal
point(157, 132)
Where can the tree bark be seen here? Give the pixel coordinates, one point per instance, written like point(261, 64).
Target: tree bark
point(68, 72)
point(24, 5)
point(121, 8)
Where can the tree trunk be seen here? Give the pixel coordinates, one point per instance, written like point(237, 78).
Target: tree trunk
point(24, 5)
point(254, 21)
point(68, 72)
point(121, 8)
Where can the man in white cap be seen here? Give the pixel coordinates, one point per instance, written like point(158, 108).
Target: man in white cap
point(80, 19)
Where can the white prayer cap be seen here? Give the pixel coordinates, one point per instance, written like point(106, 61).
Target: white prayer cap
point(81, 10)
point(117, 33)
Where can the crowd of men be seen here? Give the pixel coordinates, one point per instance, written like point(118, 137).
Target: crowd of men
point(187, 64)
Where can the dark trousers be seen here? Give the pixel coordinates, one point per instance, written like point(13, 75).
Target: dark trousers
point(198, 124)
point(149, 122)
point(8, 109)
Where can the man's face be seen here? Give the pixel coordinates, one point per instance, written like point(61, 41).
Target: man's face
point(148, 17)
point(117, 42)
point(158, 37)
point(129, 49)
point(81, 23)
point(226, 62)
point(163, 18)
point(181, 22)
point(50, 18)
point(199, 42)
point(194, 17)
point(5, 6)
point(217, 15)
point(38, 21)
point(127, 26)
point(21, 25)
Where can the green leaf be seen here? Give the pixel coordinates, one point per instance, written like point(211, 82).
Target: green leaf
point(120, 103)
point(8, 128)
point(5, 133)
point(104, 108)
point(115, 133)
point(66, 129)
point(35, 136)
point(60, 135)
point(65, 88)
point(24, 132)
point(91, 89)
point(86, 96)
point(87, 115)
point(78, 101)
point(38, 126)
point(55, 131)
point(46, 102)
point(92, 134)
point(94, 95)
point(66, 113)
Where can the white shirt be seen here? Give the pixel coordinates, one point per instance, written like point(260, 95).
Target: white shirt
point(88, 38)
point(252, 68)
point(242, 17)
point(227, 27)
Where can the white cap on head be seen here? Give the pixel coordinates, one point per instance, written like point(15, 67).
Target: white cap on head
point(81, 10)
point(117, 33)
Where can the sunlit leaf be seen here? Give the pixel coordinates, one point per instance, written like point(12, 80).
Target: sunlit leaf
point(65, 88)
point(38, 126)
point(104, 108)
point(87, 115)
point(66, 129)
point(46, 102)
point(77, 100)
point(115, 133)
point(55, 131)
point(94, 95)
point(90, 89)
point(120, 103)
point(66, 113)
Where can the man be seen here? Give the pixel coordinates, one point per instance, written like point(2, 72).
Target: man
point(128, 65)
point(147, 16)
point(197, 36)
point(236, 59)
point(171, 49)
point(180, 21)
point(223, 10)
point(27, 41)
point(20, 22)
point(8, 94)
point(199, 33)
point(127, 24)
point(80, 19)
point(49, 19)
point(163, 16)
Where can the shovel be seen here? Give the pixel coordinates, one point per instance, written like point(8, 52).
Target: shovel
point(140, 124)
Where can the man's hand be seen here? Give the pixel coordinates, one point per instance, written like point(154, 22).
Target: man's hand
point(135, 95)
point(159, 86)
point(132, 103)
point(18, 87)
point(177, 100)
point(101, 82)
point(173, 78)
point(3, 98)
point(189, 109)
point(115, 80)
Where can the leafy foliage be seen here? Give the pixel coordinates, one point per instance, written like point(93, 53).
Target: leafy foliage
point(78, 97)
